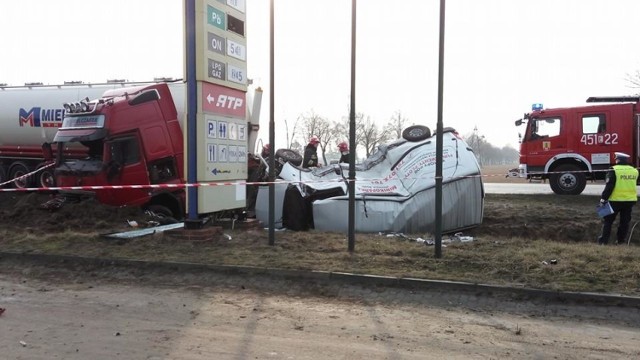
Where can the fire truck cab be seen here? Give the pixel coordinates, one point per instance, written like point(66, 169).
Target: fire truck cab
point(569, 146)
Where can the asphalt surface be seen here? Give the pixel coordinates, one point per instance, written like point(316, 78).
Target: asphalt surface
point(435, 292)
point(536, 188)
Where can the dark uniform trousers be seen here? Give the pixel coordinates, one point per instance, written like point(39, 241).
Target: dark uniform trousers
point(624, 208)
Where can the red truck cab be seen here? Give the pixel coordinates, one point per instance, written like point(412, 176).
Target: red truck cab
point(569, 146)
point(133, 136)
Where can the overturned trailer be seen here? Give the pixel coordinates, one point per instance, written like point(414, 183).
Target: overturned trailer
point(395, 189)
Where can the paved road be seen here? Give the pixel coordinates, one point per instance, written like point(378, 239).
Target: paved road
point(127, 314)
point(535, 188)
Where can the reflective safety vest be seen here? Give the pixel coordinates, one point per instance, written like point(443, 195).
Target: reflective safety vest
point(625, 189)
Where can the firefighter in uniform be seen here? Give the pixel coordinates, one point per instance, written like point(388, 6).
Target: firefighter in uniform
point(620, 191)
point(344, 152)
point(311, 153)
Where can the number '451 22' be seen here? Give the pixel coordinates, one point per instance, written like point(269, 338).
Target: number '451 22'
point(599, 139)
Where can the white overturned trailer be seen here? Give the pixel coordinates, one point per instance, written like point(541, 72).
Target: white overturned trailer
point(394, 189)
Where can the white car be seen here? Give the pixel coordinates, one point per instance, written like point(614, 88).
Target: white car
point(394, 189)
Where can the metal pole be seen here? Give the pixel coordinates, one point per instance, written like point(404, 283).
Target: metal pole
point(272, 134)
point(351, 186)
point(192, 104)
point(438, 231)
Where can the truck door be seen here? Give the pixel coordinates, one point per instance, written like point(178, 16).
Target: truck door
point(543, 141)
point(126, 166)
point(605, 131)
point(597, 138)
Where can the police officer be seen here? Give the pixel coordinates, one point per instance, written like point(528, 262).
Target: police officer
point(620, 191)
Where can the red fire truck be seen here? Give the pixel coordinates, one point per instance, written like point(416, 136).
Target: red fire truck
point(568, 146)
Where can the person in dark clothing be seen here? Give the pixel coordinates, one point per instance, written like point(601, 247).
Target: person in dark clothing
point(311, 153)
point(344, 152)
point(266, 151)
point(620, 191)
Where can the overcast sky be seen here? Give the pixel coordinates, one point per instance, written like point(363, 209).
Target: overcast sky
point(501, 56)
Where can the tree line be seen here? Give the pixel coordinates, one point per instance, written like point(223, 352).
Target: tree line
point(369, 135)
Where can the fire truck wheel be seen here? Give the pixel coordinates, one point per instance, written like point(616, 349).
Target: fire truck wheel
point(46, 179)
point(17, 170)
point(416, 133)
point(568, 180)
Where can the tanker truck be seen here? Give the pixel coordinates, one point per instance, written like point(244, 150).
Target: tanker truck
point(30, 116)
point(129, 134)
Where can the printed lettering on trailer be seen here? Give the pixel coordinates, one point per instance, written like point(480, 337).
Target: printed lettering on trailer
point(39, 117)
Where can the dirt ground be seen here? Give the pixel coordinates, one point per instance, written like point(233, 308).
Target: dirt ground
point(59, 314)
point(55, 312)
point(568, 218)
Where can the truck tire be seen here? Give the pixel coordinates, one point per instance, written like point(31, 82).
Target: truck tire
point(290, 156)
point(45, 178)
point(3, 175)
point(568, 180)
point(18, 169)
point(416, 133)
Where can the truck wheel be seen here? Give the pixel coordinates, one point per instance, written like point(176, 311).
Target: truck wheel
point(416, 133)
point(568, 180)
point(19, 169)
point(3, 175)
point(290, 156)
point(45, 178)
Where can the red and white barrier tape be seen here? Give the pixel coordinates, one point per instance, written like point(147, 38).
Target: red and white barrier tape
point(205, 184)
point(27, 175)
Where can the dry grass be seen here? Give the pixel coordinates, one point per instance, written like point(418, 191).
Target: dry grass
point(521, 262)
point(515, 245)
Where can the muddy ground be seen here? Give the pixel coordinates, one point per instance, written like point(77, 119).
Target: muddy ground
point(103, 313)
point(561, 218)
point(551, 217)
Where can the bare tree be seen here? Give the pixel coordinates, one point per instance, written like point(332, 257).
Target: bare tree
point(478, 144)
point(487, 154)
point(371, 135)
point(633, 80)
point(291, 135)
point(396, 124)
point(341, 131)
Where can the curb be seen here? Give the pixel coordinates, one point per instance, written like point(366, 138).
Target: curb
point(582, 298)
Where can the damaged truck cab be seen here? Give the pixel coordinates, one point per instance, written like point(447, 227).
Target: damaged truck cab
point(133, 137)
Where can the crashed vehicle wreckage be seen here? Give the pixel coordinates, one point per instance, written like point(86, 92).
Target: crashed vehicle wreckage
point(395, 189)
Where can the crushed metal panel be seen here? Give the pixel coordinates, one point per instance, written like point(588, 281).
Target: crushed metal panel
point(142, 232)
point(462, 209)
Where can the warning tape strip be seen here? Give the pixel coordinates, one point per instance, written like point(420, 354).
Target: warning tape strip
point(235, 183)
point(27, 175)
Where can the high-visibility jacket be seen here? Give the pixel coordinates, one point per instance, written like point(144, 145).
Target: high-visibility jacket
point(625, 188)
